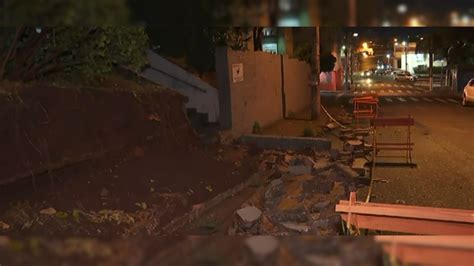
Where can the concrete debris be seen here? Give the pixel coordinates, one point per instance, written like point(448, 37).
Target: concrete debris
point(359, 166)
point(249, 216)
point(331, 126)
point(299, 169)
point(323, 260)
point(335, 155)
point(320, 206)
point(322, 165)
point(262, 246)
point(48, 211)
point(4, 226)
point(297, 227)
point(346, 170)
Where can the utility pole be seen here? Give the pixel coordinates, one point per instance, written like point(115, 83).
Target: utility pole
point(431, 63)
point(315, 70)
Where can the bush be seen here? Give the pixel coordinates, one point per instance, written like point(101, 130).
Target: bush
point(257, 129)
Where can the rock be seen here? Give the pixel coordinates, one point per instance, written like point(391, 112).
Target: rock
point(4, 226)
point(297, 227)
point(359, 166)
point(271, 159)
point(48, 211)
point(334, 154)
point(104, 193)
point(331, 126)
point(346, 170)
point(299, 169)
point(322, 165)
point(262, 246)
point(275, 189)
point(308, 161)
point(249, 216)
point(318, 207)
point(321, 224)
point(353, 145)
point(288, 158)
point(359, 154)
point(323, 260)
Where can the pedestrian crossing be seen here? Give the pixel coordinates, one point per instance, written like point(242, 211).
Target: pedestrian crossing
point(392, 85)
point(415, 100)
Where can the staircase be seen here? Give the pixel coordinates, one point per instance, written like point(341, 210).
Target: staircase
point(202, 97)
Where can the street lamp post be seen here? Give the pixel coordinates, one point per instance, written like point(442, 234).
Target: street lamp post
point(405, 44)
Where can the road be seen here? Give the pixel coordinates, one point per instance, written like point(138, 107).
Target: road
point(443, 152)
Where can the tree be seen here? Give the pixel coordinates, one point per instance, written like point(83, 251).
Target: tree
point(30, 53)
point(65, 12)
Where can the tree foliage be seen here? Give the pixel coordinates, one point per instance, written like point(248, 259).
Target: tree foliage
point(65, 12)
point(29, 53)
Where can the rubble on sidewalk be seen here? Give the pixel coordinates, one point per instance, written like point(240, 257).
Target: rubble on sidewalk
point(299, 197)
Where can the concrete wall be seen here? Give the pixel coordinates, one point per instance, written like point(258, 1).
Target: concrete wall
point(297, 90)
point(258, 98)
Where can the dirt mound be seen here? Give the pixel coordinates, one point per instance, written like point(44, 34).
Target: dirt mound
point(45, 128)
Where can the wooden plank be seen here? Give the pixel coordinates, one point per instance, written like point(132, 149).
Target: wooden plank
point(457, 242)
point(412, 207)
point(409, 225)
point(439, 250)
point(428, 214)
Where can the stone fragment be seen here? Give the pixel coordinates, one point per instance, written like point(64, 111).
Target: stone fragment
point(249, 216)
point(331, 126)
point(346, 170)
point(48, 211)
point(4, 226)
point(335, 154)
point(262, 246)
point(322, 165)
point(323, 260)
point(296, 227)
point(318, 207)
point(359, 166)
point(299, 169)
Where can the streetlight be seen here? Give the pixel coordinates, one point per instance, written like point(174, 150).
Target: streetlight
point(355, 34)
point(404, 43)
point(388, 60)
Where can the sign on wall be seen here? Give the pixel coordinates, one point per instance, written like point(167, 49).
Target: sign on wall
point(237, 72)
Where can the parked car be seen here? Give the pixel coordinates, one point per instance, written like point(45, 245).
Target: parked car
point(468, 93)
point(404, 76)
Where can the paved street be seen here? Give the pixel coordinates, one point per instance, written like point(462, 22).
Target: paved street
point(443, 152)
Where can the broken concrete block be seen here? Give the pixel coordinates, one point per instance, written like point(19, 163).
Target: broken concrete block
point(359, 166)
point(331, 126)
point(322, 165)
point(288, 158)
point(262, 246)
point(308, 161)
point(4, 226)
point(346, 170)
point(334, 153)
point(318, 207)
point(296, 227)
point(48, 211)
point(323, 260)
point(359, 154)
point(353, 145)
point(299, 169)
point(249, 216)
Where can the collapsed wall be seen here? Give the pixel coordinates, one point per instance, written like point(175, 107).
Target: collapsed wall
point(44, 127)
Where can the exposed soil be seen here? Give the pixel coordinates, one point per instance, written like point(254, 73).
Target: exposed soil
point(132, 153)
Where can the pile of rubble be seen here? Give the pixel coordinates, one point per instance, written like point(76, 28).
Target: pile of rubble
point(300, 196)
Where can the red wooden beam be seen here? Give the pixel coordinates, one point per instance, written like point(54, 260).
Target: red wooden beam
point(429, 250)
point(407, 219)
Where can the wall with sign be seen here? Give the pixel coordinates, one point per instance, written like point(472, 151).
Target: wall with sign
point(251, 88)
